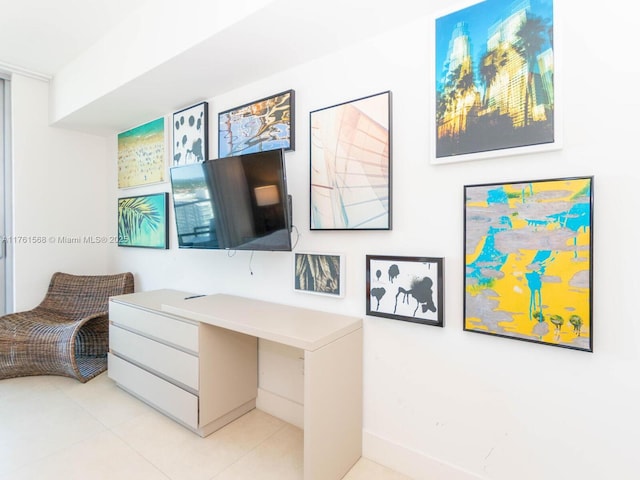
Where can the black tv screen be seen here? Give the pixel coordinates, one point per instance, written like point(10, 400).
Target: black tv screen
point(236, 203)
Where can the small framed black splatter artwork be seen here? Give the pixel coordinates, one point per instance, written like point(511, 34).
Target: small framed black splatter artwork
point(406, 288)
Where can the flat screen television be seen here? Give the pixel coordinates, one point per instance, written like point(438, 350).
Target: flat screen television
point(234, 203)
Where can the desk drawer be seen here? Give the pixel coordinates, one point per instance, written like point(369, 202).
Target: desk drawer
point(167, 361)
point(171, 330)
point(177, 403)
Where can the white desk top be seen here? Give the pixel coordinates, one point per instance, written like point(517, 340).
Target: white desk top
point(152, 299)
point(298, 327)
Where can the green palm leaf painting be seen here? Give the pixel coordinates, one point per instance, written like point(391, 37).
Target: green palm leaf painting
point(142, 221)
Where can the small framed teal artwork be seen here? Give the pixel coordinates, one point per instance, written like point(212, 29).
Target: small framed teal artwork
point(143, 221)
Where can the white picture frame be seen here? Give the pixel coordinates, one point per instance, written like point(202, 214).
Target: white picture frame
point(319, 273)
point(484, 122)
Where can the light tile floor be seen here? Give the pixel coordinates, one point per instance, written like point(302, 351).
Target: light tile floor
point(57, 428)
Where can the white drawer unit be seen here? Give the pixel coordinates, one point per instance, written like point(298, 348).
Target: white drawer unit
point(163, 360)
point(195, 359)
point(181, 333)
point(174, 364)
point(170, 399)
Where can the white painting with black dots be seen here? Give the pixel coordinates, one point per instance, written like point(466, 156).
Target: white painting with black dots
point(190, 135)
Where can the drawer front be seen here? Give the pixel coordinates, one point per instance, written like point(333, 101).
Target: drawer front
point(172, 400)
point(154, 325)
point(177, 365)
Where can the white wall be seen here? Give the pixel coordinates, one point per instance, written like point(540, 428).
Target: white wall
point(59, 196)
point(144, 39)
point(443, 403)
point(438, 403)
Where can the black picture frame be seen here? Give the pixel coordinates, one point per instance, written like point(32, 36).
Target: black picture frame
point(406, 288)
point(350, 156)
point(258, 126)
point(528, 261)
point(191, 135)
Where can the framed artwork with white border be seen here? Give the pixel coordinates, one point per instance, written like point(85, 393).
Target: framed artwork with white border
point(319, 273)
point(495, 81)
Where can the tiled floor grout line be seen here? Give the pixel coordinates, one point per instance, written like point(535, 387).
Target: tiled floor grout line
point(124, 425)
point(62, 448)
point(141, 455)
point(111, 430)
point(241, 458)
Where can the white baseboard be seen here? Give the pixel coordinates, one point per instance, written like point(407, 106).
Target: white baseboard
point(415, 465)
point(281, 407)
point(411, 463)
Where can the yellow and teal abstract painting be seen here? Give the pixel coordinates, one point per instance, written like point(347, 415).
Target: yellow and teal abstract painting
point(528, 261)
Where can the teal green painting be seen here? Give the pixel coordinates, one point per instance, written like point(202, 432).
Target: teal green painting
point(141, 155)
point(142, 221)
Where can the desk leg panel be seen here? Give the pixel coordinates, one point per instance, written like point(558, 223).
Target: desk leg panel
point(333, 408)
point(228, 374)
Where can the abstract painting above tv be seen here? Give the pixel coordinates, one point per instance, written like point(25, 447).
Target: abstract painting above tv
point(265, 124)
point(495, 81)
point(191, 135)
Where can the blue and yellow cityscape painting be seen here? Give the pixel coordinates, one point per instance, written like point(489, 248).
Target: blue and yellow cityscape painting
point(494, 77)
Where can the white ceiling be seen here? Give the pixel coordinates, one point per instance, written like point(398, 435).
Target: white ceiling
point(41, 36)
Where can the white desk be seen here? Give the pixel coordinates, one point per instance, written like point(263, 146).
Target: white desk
point(332, 346)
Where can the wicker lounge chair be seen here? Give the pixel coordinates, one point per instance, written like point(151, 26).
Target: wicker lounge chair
point(67, 334)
